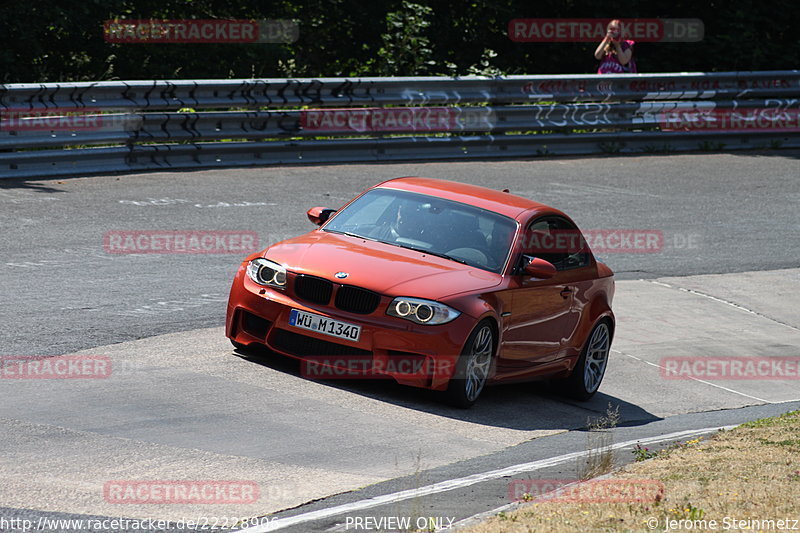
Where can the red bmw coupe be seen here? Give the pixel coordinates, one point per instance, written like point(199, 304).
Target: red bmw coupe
point(436, 284)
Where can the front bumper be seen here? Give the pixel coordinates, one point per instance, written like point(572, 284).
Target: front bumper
point(411, 354)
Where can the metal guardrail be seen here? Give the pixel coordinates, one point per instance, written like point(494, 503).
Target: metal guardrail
point(176, 94)
point(147, 125)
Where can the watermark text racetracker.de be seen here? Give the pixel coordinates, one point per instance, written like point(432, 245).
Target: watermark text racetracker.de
point(198, 31)
point(23, 367)
point(398, 119)
point(409, 366)
point(591, 491)
point(180, 242)
point(568, 30)
point(606, 241)
point(181, 492)
point(67, 118)
point(731, 368)
point(729, 119)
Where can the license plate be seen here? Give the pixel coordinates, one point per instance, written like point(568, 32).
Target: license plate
point(321, 324)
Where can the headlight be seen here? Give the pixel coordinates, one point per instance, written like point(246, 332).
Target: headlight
point(421, 311)
point(267, 273)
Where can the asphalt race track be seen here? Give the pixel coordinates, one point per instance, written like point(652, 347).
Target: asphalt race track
point(181, 404)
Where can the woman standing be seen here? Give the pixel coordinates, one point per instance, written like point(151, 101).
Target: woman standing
point(616, 54)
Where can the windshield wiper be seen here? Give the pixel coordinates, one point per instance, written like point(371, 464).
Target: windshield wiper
point(351, 234)
point(431, 252)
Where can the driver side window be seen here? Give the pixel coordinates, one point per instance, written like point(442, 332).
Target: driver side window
point(558, 241)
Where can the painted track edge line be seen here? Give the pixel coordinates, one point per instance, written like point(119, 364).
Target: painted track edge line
point(452, 484)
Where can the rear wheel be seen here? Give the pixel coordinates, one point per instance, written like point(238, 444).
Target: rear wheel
point(472, 369)
point(591, 366)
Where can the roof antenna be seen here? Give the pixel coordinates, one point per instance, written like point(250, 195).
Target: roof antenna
point(506, 190)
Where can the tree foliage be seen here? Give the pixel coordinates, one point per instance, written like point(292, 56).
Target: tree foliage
point(63, 41)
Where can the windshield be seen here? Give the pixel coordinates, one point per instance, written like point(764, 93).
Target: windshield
point(457, 231)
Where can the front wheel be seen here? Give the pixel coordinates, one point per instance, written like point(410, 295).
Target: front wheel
point(591, 366)
point(472, 369)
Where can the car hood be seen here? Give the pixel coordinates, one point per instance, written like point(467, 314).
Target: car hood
point(380, 267)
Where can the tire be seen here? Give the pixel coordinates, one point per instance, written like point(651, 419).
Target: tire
point(588, 373)
point(472, 369)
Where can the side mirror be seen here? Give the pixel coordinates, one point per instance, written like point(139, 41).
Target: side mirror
point(319, 215)
point(539, 268)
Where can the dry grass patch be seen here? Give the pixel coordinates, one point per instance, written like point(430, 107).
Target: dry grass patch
point(749, 473)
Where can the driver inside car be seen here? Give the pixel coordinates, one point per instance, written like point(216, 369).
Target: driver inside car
point(406, 223)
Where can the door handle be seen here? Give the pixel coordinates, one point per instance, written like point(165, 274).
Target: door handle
point(565, 292)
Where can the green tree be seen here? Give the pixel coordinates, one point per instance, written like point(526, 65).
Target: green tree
point(406, 49)
point(63, 41)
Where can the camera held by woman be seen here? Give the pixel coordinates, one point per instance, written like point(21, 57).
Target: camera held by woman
point(614, 52)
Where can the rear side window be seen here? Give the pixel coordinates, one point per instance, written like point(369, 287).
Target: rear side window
point(558, 241)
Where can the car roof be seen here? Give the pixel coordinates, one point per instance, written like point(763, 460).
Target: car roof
point(501, 202)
